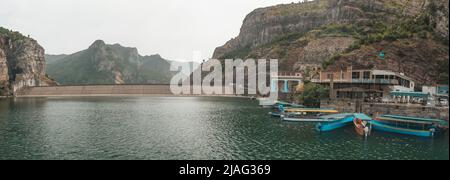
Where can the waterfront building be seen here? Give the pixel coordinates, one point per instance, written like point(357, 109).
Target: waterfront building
point(371, 85)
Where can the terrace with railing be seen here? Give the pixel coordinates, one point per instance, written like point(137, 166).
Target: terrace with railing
point(360, 81)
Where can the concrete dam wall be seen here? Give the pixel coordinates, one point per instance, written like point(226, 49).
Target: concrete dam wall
point(108, 90)
point(96, 90)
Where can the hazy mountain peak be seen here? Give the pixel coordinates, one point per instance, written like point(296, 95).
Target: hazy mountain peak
point(98, 44)
point(155, 56)
point(109, 64)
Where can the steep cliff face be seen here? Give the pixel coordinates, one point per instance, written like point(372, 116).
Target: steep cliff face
point(318, 34)
point(439, 17)
point(4, 77)
point(109, 64)
point(266, 24)
point(22, 63)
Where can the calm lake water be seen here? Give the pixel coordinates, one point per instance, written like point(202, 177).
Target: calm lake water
point(184, 128)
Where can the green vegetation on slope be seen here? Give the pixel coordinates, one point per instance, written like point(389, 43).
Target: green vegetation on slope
point(301, 7)
point(312, 94)
point(53, 58)
point(239, 53)
point(13, 35)
point(377, 31)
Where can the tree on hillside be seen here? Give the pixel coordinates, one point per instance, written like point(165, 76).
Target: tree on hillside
point(312, 94)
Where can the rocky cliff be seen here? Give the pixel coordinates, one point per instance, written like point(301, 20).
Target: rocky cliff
point(22, 63)
point(109, 64)
point(329, 33)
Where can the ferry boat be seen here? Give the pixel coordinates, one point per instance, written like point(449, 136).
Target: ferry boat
point(276, 114)
point(280, 109)
point(333, 122)
point(275, 104)
point(307, 114)
point(288, 105)
point(415, 126)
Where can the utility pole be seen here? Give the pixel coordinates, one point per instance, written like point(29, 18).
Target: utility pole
point(332, 87)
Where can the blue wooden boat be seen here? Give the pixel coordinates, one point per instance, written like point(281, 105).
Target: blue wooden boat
point(277, 104)
point(287, 105)
point(335, 122)
point(275, 114)
point(392, 128)
point(279, 111)
point(422, 127)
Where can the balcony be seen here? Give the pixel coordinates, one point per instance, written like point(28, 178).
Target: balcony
point(360, 81)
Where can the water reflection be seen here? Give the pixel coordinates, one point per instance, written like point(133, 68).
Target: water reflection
point(183, 128)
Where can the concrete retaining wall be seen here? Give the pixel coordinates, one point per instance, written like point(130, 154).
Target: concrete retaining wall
point(374, 109)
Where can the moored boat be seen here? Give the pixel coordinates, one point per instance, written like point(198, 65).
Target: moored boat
point(276, 114)
point(279, 111)
point(306, 114)
point(288, 105)
point(362, 124)
point(423, 127)
point(340, 121)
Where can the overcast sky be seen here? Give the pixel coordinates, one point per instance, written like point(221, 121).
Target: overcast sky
point(172, 28)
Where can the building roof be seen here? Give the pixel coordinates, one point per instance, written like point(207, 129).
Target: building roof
point(383, 72)
point(374, 71)
point(390, 73)
point(411, 94)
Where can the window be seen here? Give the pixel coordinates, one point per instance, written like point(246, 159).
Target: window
point(330, 76)
point(379, 77)
point(355, 75)
point(366, 75)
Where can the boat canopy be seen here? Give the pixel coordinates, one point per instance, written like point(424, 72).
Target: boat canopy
point(361, 116)
point(402, 120)
point(288, 104)
point(312, 110)
point(337, 116)
point(424, 120)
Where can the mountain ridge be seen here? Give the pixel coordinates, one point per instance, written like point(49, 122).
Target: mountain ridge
point(324, 34)
point(105, 63)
